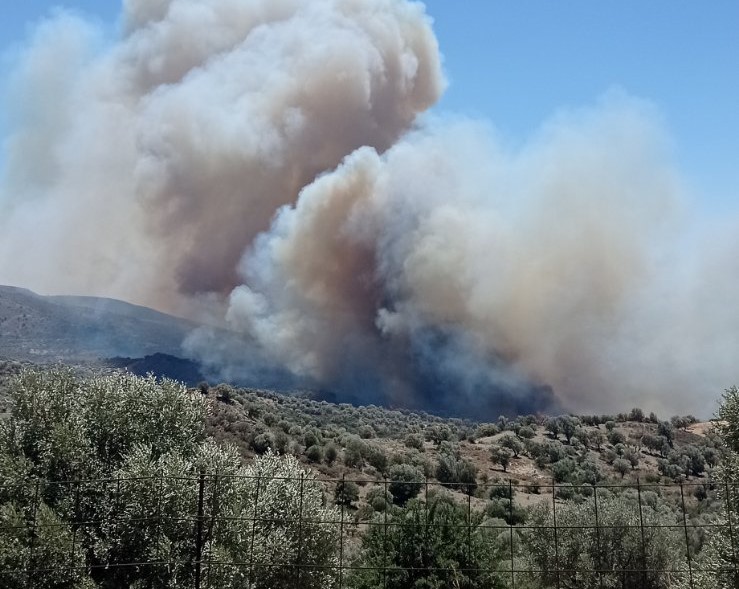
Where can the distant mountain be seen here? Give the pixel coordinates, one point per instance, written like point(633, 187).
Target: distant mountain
point(81, 329)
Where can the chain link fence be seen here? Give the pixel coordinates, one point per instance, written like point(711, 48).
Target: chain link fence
point(507, 534)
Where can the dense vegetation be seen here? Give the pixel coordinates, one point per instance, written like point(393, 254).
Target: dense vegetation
point(291, 488)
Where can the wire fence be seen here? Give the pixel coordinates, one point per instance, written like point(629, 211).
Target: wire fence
point(219, 531)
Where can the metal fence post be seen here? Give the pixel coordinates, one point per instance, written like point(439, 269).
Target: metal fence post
point(31, 547)
point(254, 533)
point(731, 528)
point(159, 520)
point(597, 536)
point(299, 555)
point(556, 543)
point(199, 530)
point(212, 526)
point(641, 527)
point(510, 515)
point(687, 539)
point(384, 542)
point(75, 525)
point(341, 536)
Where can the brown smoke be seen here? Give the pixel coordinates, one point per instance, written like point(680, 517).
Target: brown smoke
point(261, 163)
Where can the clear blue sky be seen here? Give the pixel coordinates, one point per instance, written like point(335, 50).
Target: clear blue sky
point(515, 63)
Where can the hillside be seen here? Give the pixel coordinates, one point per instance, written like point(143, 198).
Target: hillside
point(65, 328)
point(363, 443)
point(374, 478)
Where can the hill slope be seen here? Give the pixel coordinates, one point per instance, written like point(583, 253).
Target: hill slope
point(66, 328)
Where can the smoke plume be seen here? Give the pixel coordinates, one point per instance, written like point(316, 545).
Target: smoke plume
point(266, 166)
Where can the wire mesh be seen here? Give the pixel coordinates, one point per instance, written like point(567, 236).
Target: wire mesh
point(166, 528)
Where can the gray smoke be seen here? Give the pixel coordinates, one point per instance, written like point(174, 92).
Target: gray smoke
point(264, 165)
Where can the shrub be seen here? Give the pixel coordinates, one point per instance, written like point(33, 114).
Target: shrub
point(581, 551)
point(314, 454)
point(346, 493)
point(428, 546)
point(138, 430)
point(330, 453)
point(405, 482)
point(414, 441)
point(501, 456)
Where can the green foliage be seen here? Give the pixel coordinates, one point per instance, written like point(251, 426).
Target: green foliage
point(616, 437)
point(506, 510)
point(719, 552)
point(501, 456)
point(406, 482)
point(563, 470)
point(379, 499)
point(438, 434)
point(148, 435)
point(512, 443)
point(376, 457)
point(314, 454)
point(425, 537)
point(667, 431)
point(414, 441)
point(330, 453)
point(526, 432)
point(354, 453)
point(62, 427)
point(620, 547)
point(568, 426)
point(486, 430)
point(456, 473)
point(621, 466)
point(346, 493)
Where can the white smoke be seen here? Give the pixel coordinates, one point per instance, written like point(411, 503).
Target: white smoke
point(262, 163)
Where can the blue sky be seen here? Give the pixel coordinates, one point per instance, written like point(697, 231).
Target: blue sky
point(517, 63)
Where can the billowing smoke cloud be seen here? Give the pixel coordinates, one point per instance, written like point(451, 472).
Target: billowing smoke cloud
point(262, 164)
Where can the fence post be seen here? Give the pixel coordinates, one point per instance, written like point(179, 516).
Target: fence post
point(299, 555)
point(469, 537)
point(160, 492)
point(384, 541)
point(75, 525)
point(687, 539)
point(199, 529)
point(641, 527)
point(34, 509)
point(731, 528)
point(210, 535)
point(425, 520)
point(556, 544)
point(510, 515)
point(597, 536)
point(254, 533)
point(341, 536)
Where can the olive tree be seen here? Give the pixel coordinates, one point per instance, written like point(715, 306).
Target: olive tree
point(625, 552)
point(128, 456)
point(431, 545)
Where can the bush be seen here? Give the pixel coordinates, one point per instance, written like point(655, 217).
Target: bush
point(456, 473)
point(379, 499)
point(621, 466)
point(330, 453)
point(414, 441)
point(139, 430)
point(263, 442)
point(314, 454)
point(376, 458)
point(501, 456)
point(581, 549)
point(346, 493)
point(405, 482)
point(428, 546)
